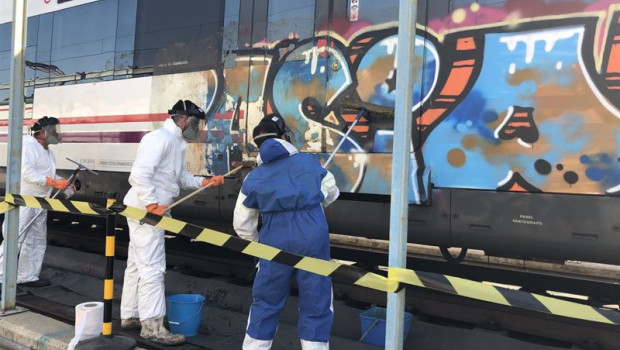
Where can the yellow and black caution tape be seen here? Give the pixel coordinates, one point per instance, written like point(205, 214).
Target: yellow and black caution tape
point(4, 207)
point(339, 272)
point(62, 205)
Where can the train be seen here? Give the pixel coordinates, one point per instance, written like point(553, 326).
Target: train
point(516, 107)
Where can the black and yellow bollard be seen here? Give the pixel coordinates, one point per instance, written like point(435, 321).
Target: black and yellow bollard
point(107, 340)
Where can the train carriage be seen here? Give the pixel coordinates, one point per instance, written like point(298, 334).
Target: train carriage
point(516, 107)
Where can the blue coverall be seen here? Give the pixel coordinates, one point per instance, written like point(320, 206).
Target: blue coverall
point(289, 190)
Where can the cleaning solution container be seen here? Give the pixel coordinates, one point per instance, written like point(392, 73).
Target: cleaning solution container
point(185, 313)
point(373, 326)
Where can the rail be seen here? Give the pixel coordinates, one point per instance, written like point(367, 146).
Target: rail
point(573, 269)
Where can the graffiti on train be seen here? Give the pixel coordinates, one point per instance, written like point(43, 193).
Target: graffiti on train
point(530, 105)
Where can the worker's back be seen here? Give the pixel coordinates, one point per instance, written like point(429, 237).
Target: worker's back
point(286, 189)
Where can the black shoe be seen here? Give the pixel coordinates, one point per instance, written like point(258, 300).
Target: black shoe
point(36, 284)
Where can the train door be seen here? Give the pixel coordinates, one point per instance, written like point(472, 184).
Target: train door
point(246, 58)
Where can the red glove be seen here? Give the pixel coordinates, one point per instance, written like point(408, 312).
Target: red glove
point(156, 208)
point(60, 184)
point(216, 180)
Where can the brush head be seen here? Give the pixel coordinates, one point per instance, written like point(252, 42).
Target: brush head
point(373, 111)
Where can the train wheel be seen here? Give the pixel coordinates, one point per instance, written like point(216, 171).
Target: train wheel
point(450, 258)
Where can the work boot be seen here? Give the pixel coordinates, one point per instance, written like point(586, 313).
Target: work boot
point(130, 324)
point(153, 329)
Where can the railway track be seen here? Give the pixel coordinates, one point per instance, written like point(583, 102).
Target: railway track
point(574, 269)
point(199, 258)
point(598, 284)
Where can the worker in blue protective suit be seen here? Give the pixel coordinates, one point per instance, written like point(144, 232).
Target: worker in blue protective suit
point(38, 178)
point(157, 175)
point(289, 190)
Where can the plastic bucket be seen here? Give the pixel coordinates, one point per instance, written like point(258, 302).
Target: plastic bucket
point(185, 313)
point(373, 326)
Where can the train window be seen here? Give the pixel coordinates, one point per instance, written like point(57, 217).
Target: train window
point(289, 19)
point(84, 38)
point(178, 36)
point(5, 53)
point(125, 34)
point(331, 16)
point(259, 21)
point(230, 32)
point(5, 50)
point(252, 22)
point(376, 12)
point(246, 10)
point(455, 4)
point(42, 63)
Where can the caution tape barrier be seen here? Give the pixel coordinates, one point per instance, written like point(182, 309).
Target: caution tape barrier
point(340, 272)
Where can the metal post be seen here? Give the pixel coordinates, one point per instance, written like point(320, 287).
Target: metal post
point(107, 340)
point(108, 283)
point(14, 154)
point(400, 167)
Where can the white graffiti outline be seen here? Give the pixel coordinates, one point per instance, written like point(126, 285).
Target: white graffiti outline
point(506, 179)
point(359, 149)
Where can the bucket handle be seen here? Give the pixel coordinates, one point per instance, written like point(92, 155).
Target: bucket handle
point(189, 318)
point(374, 323)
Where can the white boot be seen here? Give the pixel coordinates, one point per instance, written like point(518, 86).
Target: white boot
point(313, 345)
point(250, 343)
point(153, 329)
point(131, 323)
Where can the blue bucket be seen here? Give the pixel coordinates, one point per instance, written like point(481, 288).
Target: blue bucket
point(185, 313)
point(373, 326)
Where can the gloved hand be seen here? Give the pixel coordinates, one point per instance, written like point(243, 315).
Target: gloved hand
point(60, 184)
point(156, 208)
point(69, 191)
point(216, 180)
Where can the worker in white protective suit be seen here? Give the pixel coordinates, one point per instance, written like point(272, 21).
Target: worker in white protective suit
point(158, 173)
point(38, 179)
point(288, 191)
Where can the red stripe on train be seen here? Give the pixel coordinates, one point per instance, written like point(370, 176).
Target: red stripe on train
point(6, 109)
point(127, 118)
point(98, 137)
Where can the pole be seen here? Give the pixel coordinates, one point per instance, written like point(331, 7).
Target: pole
point(27, 226)
point(14, 154)
point(400, 167)
point(108, 283)
point(344, 138)
point(108, 341)
point(201, 188)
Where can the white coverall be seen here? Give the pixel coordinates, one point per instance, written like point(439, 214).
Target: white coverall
point(37, 164)
point(157, 175)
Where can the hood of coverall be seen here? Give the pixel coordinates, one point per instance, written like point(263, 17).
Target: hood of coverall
point(274, 149)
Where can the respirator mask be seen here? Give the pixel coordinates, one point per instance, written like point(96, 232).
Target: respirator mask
point(193, 128)
point(52, 134)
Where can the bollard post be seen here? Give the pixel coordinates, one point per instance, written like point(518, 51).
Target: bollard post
point(108, 283)
point(108, 341)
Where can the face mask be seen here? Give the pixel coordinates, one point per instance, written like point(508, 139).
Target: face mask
point(52, 136)
point(192, 129)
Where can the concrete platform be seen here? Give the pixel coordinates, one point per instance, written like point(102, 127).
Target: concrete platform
point(35, 331)
point(31, 330)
